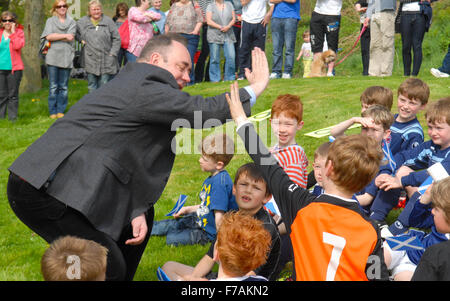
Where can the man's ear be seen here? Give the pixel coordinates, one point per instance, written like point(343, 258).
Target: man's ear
point(154, 59)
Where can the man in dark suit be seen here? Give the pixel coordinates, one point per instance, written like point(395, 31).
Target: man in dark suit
point(97, 172)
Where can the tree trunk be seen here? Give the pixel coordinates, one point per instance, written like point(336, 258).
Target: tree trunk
point(33, 26)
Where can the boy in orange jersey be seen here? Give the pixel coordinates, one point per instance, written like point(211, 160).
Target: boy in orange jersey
point(331, 238)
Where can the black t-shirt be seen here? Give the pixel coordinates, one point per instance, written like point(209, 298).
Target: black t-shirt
point(434, 264)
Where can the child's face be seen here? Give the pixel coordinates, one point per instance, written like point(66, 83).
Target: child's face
point(306, 38)
point(408, 108)
point(440, 222)
point(250, 194)
point(439, 133)
point(377, 132)
point(157, 4)
point(319, 166)
point(207, 164)
point(285, 129)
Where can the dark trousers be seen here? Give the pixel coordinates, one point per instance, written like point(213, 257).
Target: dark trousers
point(365, 50)
point(252, 35)
point(412, 28)
point(51, 219)
point(9, 93)
point(200, 71)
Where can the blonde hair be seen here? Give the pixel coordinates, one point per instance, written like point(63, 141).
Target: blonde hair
point(93, 3)
point(355, 160)
point(380, 115)
point(242, 243)
point(416, 89)
point(377, 95)
point(440, 196)
point(218, 147)
point(56, 259)
point(439, 111)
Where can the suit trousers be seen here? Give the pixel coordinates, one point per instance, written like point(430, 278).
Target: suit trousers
point(51, 219)
point(382, 49)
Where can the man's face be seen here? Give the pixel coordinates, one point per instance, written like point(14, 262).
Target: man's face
point(178, 63)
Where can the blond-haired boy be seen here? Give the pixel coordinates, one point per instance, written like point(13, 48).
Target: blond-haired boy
point(72, 258)
point(198, 224)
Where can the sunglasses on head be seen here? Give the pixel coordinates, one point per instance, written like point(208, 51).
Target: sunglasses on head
point(61, 6)
point(8, 20)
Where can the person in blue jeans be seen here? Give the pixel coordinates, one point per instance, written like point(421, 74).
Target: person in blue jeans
point(220, 18)
point(285, 19)
point(198, 224)
point(59, 32)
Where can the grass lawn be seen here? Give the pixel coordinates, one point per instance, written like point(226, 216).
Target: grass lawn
point(327, 101)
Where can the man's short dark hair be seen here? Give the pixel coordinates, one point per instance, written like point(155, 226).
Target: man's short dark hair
point(160, 44)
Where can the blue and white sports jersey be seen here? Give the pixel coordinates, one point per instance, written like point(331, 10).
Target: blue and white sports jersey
point(405, 136)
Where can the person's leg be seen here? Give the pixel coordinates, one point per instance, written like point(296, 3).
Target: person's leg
point(51, 219)
point(13, 79)
point(388, 42)
point(177, 271)
point(192, 48)
point(446, 62)
point(406, 31)
point(132, 254)
point(214, 62)
point(3, 93)
point(417, 39)
point(332, 34)
point(130, 57)
point(204, 53)
point(62, 96)
point(277, 27)
point(92, 80)
point(376, 53)
point(52, 72)
point(245, 48)
point(104, 78)
point(365, 50)
point(228, 49)
point(290, 34)
point(237, 34)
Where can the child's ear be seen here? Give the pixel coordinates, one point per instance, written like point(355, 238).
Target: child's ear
point(328, 168)
point(234, 189)
point(215, 253)
point(267, 199)
point(220, 165)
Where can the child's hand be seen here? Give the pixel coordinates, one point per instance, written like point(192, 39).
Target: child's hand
point(426, 197)
point(366, 122)
point(234, 102)
point(183, 211)
point(387, 182)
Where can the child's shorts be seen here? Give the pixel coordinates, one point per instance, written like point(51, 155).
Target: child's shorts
point(400, 261)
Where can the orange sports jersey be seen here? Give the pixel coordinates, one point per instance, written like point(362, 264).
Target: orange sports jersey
point(332, 241)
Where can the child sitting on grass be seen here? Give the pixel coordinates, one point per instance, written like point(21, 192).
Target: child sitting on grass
point(331, 239)
point(251, 193)
point(71, 258)
point(431, 211)
point(197, 224)
point(242, 245)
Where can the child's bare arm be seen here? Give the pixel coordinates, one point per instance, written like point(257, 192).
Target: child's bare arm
point(300, 55)
point(218, 215)
point(365, 199)
point(339, 129)
point(186, 210)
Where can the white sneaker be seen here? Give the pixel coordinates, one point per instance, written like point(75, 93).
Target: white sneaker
point(273, 75)
point(330, 74)
point(286, 76)
point(438, 73)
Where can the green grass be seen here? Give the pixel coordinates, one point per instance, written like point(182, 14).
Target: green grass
point(327, 101)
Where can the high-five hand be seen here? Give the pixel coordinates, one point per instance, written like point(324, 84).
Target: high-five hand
point(234, 102)
point(258, 77)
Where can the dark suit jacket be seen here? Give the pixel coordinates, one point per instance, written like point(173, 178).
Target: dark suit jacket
point(112, 151)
